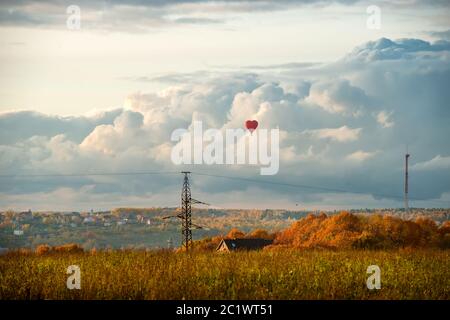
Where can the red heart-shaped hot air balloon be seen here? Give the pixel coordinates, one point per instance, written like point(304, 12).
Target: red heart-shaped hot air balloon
point(251, 125)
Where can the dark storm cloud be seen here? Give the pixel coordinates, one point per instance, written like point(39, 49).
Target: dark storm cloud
point(445, 35)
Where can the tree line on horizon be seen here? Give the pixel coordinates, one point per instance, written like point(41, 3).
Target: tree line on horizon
point(346, 231)
point(321, 231)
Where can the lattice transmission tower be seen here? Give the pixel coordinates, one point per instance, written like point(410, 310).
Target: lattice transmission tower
point(186, 213)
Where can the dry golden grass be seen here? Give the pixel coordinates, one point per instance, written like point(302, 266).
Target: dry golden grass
point(268, 274)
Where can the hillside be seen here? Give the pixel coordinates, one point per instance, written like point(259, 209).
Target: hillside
point(146, 228)
point(346, 231)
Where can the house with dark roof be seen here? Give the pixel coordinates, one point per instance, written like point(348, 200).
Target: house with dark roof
point(227, 245)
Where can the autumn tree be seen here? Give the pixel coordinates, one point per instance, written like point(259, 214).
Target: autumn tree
point(444, 232)
point(346, 230)
point(260, 234)
point(235, 233)
point(43, 249)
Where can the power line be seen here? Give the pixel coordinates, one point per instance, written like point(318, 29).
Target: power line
point(87, 174)
point(304, 186)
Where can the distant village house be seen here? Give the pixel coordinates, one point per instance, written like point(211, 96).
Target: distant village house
point(227, 245)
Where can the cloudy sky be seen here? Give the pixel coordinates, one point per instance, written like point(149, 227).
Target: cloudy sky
point(106, 97)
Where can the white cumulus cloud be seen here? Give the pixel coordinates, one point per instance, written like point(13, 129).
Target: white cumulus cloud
point(341, 134)
point(330, 120)
point(437, 163)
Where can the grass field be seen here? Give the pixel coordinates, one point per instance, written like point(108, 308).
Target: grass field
point(282, 274)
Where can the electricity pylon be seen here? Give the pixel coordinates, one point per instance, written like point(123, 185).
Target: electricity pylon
point(406, 183)
point(186, 213)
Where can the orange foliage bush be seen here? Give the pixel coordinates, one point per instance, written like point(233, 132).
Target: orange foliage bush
point(43, 249)
point(445, 228)
point(66, 248)
point(71, 247)
point(207, 244)
point(346, 230)
point(260, 234)
point(235, 233)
